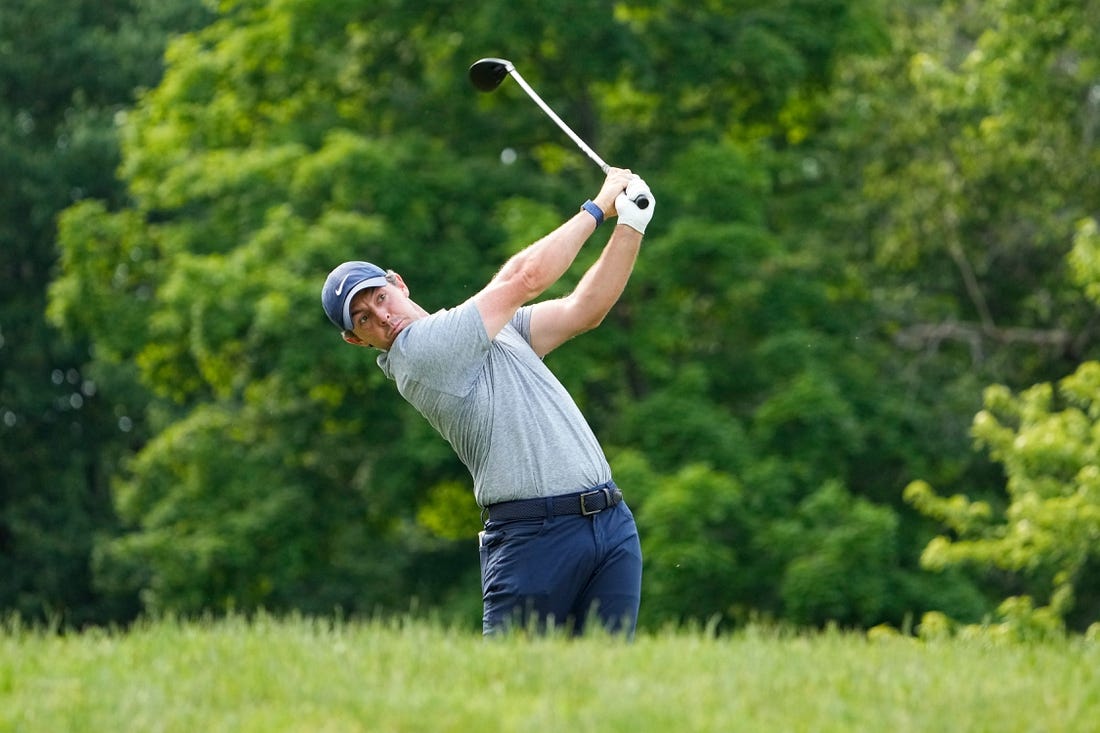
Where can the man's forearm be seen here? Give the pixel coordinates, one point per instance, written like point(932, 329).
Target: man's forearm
point(603, 282)
point(541, 264)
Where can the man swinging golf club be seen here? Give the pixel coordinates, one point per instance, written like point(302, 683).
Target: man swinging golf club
point(560, 545)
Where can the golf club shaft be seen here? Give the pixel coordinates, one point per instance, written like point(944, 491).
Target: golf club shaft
point(552, 115)
point(641, 201)
point(487, 74)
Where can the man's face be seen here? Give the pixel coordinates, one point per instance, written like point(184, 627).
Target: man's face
point(379, 314)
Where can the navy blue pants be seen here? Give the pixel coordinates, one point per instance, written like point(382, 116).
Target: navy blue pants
point(562, 572)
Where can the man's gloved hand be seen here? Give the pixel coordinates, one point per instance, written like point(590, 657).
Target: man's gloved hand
point(628, 211)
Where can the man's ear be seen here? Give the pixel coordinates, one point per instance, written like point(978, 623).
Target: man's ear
point(400, 283)
point(354, 340)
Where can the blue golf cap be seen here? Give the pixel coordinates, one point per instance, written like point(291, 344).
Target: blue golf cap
point(342, 284)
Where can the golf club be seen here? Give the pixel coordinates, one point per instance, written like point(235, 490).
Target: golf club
point(487, 74)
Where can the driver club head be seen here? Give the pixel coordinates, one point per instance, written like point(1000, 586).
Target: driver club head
point(487, 74)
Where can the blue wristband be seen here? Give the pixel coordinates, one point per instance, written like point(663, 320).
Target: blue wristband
point(594, 210)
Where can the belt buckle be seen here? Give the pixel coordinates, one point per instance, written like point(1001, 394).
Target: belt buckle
point(585, 511)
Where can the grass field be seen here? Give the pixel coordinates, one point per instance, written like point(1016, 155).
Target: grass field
point(301, 675)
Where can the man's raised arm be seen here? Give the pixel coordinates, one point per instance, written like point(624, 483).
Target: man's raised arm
point(538, 266)
point(554, 322)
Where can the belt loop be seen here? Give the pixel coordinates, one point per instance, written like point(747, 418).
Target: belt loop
point(548, 502)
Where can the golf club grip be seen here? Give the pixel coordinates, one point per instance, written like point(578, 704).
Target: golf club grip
point(641, 200)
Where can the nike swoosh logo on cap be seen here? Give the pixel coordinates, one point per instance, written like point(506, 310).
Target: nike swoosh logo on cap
point(340, 287)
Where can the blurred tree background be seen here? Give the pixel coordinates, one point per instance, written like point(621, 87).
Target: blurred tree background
point(69, 69)
point(869, 216)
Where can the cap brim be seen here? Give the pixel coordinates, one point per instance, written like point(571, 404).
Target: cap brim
point(374, 282)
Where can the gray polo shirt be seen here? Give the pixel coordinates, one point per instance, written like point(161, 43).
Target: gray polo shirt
point(507, 416)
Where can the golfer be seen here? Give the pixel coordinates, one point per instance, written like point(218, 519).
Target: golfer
point(560, 547)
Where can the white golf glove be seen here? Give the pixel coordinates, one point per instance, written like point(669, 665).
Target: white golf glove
point(628, 211)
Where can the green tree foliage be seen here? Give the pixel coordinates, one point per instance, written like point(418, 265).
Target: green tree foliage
point(849, 246)
point(283, 464)
point(286, 137)
point(1048, 439)
point(701, 559)
point(67, 69)
point(975, 161)
point(1028, 121)
point(846, 561)
point(934, 277)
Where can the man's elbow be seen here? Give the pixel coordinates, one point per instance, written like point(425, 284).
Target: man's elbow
point(523, 284)
point(534, 282)
point(591, 321)
point(587, 311)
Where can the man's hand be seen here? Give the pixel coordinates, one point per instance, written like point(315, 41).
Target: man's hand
point(613, 185)
point(628, 211)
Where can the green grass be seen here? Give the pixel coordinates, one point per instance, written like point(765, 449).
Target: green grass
point(299, 675)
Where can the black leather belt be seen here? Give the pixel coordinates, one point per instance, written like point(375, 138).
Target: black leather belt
point(585, 503)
